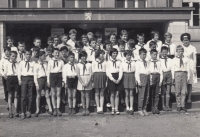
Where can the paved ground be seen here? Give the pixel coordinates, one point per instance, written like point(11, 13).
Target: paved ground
point(168, 125)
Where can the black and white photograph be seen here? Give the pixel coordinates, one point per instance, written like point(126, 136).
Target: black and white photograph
point(99, 68)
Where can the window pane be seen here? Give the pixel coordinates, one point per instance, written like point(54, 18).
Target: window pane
point(69, 3)
point(119, 3)
point(44, 3)
point(141, 3)
point(22, 3)
point(32, 3)
point(185, 5)
point(196, 6)
point(94, 3)
point(196, 20)
point(14, 4)
point(131, 3)
point(82, 3)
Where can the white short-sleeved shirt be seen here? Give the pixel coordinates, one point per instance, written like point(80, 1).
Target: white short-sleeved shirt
point(189, 51)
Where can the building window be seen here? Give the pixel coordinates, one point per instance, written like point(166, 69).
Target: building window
point(169, 3)
point(120, 3)
point(131, 3)
point(44, 4)
point(32, 3)
point(141, 3)
point(21, 4)
point(94, 3)
point(69, 3)
point(196, 14)
point(82, 3)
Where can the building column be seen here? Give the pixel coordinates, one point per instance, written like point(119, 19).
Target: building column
point(88, 3)
point(191, 19)
point(136, 3)
point(27, 4)
point(56, 3)
point(126, 4)
point(2, 36)
point(176, 28)
point(76, 4)
point(151, 3)
point(38, 3)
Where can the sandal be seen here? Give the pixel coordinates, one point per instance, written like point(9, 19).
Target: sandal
point(112, 112)
point(117, 112)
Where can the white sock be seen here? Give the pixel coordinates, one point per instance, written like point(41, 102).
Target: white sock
point(127, 108)
point(131, 108)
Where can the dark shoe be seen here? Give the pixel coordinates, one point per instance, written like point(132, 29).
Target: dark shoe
point(157, 111)
point(59, 113)
point(83, 112)
point(168, 108)
point(55, 112)
point(178, 109)
point(73, 111)
point(28, 115)
point(36, 114)
point(165, 108)
point(70, 111)
point(87, 112)
point(16, 114)
point(127, 112)
point(153, 111)
point(184, 109)
point(131, 112)
point(10, 115)
point(23, 116)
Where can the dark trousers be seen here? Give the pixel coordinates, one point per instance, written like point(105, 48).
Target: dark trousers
point(154, 92)
point(5, 89)
point(143, 93)
point(26, 92)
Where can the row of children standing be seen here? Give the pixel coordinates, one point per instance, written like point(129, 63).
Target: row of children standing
point(89, 63)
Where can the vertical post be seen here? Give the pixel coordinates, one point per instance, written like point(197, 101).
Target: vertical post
point(38, 3)
point(76, 4)
point(136, 3)
point(88, 3)
point(146, 4)
point(49, 4)
point(2, 37)
point(126, 4)
point(100, 4)
point(27, 3)
point(191, 19)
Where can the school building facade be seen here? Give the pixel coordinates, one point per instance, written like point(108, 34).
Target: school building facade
point(26, 19)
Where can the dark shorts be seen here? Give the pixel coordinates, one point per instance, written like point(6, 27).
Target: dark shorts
point(56, 79)
point(167, 78)
point(12, 84)
point(42, 82)
point(72, 82)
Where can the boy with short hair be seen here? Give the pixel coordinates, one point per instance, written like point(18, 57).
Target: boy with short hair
point(171, 46)
point(64, 54)
point(54, 80)
point(49, 55)
point(180, 76)
point(10, 73)
point(140, 39)
point(152, 45)
point(143, 79)
point(26, 80)
point(84, 40)
point(98, 36)
point(64, 38)
point(107, 47)
point(3, 61)
point(56, 40)
point(37, 42)
point(72, 40)
point(79, 47)
point(21, 50)
point(156, 77)
point(166, 65)
point(135, 53)
point(91, 51)
point(35, 53)
point(40, 80)
point(121, 45)
point(10, 42)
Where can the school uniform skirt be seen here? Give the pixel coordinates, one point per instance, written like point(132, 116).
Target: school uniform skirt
point(56, 79)
point(85, 79)
point(129, 80)
point(99, 79)
point(113, 86)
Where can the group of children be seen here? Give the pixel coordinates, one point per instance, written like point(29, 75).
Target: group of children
point(107, 68)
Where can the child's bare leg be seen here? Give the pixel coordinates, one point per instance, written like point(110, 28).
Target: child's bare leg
point(97, 98)
point(127, 99)
point(10, 101)
point(189, 88)
point(38, 101)
point(163, 91)
point(168, 95)
point(131, 99)
point(101, 98)
point(70, 97)
point(83, 98)
point(53, 97)
point(47, 95)
point(58, 97)
point(87, 96)
point(116, 100)
point(112, 99)
point(74, 97)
